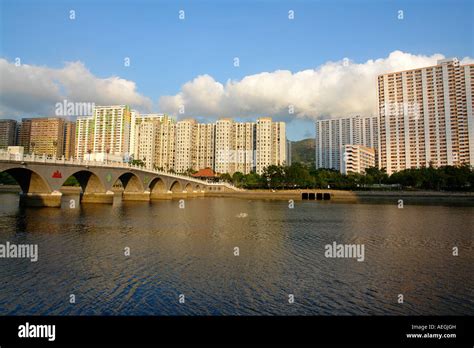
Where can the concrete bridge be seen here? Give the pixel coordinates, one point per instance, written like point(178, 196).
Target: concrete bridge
point(42, 178)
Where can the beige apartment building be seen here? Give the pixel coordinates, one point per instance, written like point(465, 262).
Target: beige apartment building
point(270, 144)
point(426, 116)
point(225, 146)
point(205, 146)
point(155, 137)
point(146, 135)
point(47, 136)
point(165, 143)
point(69, 139)
point(357, 158)
point(136, 120)
point(184, 145)
point(244, 147)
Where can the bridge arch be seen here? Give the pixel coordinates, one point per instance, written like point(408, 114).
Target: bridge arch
point(176, 187)
point(157, 185)
point(188, 188)
point(89, 181)
point(197, 187)
point(130, 182)
point(29, 180)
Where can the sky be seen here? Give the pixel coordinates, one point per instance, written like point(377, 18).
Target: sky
point(296, 61)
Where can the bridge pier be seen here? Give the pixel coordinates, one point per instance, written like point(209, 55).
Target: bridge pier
point(180, 195)
point(136, 196)
point(161, 195)
point(100, 198)
point(41, 199)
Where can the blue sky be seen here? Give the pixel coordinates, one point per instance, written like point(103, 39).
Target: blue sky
point(167, 52)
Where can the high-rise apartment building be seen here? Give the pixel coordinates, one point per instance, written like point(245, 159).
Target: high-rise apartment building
point(47, 136)
point(112, 130)
point(270, 143)
point(426, 116)
point(184, 145)
point(84, 141)
point(333, 134)
point(146, 135)
point(24, 133)
point(8, 129)
point(244, 147)
point(204, 147)
point(165, 144)
point(69, 139)
point(225, 146)
point(104, 134)
point(136, 120)
point(161, 143)
point(155, 139)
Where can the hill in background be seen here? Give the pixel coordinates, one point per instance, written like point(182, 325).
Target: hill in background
point(303, 151)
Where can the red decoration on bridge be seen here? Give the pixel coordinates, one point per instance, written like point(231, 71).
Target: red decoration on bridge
point(57, 175)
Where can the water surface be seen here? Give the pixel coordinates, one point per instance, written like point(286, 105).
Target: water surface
point(190, 251)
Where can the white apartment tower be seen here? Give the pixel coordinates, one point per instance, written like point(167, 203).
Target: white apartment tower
point(333, 134)
point(112, 130)
point(84, 136)
point(426, 116)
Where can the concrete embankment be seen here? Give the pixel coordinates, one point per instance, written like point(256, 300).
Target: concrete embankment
point(342, 196)
point(327, 196)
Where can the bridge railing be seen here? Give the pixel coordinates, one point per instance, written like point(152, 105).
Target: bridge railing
point(6, 156)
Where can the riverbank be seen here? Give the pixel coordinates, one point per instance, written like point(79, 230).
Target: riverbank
point(342, 196)
point(326, 196)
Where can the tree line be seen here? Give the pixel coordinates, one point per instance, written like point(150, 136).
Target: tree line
point(297, 176)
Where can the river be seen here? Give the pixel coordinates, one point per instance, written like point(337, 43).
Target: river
point(192, 251)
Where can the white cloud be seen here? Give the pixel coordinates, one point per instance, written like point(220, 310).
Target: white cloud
point(29, 90)
point(333, 89)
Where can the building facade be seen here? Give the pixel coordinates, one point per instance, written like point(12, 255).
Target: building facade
point(84, 141)
point(357, 158)
point(205, 146)
point(8, 131)
point(184, 145)
point(334, 134)
point(47, 136)
point(112, 130)
point(426, 116)
point(69, 139)
point(270, 144)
